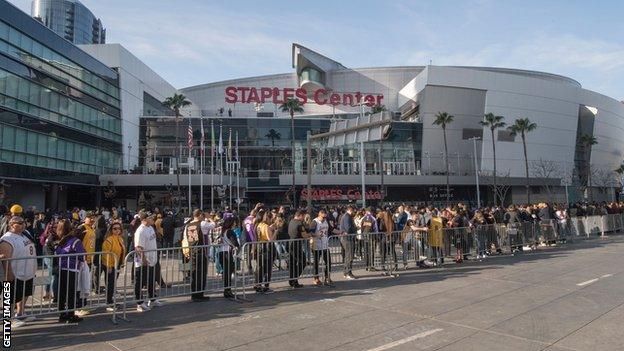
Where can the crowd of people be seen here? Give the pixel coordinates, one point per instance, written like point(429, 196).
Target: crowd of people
point(67, 241)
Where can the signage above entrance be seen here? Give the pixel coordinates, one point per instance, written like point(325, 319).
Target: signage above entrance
point(250, 95)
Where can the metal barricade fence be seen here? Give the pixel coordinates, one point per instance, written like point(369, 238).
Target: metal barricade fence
point(179, 271)
point(63, 284)
point(285, 260)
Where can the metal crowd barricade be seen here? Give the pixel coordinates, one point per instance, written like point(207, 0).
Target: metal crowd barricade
point(282, 260)
point(179, 271)
point(593, 225)
point(66, 283)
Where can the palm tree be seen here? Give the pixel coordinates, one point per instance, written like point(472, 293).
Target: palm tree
point(493, 122)
point(586, 141)
point(442, 119)
point(523, 126)
point(291, 106)
point(273, 135)
point(175, 102)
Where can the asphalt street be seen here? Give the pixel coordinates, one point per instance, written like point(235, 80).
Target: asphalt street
point(568, 297)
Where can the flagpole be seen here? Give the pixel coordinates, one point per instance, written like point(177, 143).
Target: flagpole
point(201, 165)
point(237, 176)
point(212, 167)
point(188, 163)
point(229, 158)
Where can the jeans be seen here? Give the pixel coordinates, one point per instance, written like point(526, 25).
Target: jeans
point(218, 264)
point(265, 263)
point(67, 291)
point(199, 267)
point(144, 276)
point(296, 261)
point(227, 262)
point(47, 263)
point(348, 247)
point(318, 254)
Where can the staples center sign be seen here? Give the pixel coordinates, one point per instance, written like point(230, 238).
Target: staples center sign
point(248, 95)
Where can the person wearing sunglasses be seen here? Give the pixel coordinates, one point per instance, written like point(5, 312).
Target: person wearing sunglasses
point(115, 248)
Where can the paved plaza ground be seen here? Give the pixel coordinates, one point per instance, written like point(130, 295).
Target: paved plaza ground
point(559, 298)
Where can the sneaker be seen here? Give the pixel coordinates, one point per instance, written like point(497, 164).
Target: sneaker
point(317, 282)
point(154, 303)
point(82, 313)
point(350, 276)
point(143, 307)
point(16, 323)
point(267, 291)
point(110, 309)
point(73, 319)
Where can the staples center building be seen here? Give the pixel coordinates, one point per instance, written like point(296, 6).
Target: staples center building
point(409, 165)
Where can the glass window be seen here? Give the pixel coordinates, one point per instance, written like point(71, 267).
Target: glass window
point(24, 89)
point(8, 138)
point(12, 85)
point(14, 36)
point(3, 81)
point(4, 30)
point(31, 144)
point(20, 140)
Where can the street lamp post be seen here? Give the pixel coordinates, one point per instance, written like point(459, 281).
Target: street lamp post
point(474, 145)
point(129, 148)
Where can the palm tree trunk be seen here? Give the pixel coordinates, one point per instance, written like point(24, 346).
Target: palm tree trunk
point(526, 169)
point(448, 187)
point(494, 153)
point(292, 161)
point(177, 157)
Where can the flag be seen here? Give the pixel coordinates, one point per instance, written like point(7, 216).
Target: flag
point(220, 150)
point(190, 136)
point(201, 140)
point(237, 160)
point(229, 151)
point(212, 139)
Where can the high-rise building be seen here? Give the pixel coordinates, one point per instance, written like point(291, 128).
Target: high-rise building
point(60, 116)
point(71, 20)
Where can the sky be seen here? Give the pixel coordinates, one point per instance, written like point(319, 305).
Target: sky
point(191, 42)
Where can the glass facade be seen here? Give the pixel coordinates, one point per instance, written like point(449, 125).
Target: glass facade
point(71, 20)
point(59, 107)
point(264, 146)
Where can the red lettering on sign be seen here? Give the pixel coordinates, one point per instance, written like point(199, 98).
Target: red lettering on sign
point(230, 95)
point(243, 91)
point(334, 99)
point(369, 100)
point(265, 93)
point(276, 92)
point(253, 96)
point(288, 93)
point(302, 94)
point(317, 97)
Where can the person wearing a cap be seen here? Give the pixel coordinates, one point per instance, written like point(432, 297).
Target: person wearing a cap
point(145, 259)
point(16, 210)
point(21, 269)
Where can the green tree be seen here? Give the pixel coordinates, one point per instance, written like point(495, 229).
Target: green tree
point(376, 109)
point(523, 126)
point(176, 102)
point(273, 135)
point(493, 122)
point(291, 106)
point(443, 119)
point(587, 141)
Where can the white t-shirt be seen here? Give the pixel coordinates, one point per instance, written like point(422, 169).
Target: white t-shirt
point(24, 262)
point(145, 236)
point(321, 238)
point(206, 228)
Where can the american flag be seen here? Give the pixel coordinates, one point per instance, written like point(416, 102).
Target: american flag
point(190, 136)
point(202, 140)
